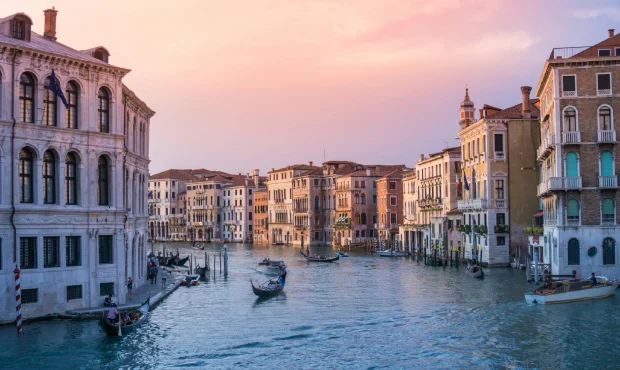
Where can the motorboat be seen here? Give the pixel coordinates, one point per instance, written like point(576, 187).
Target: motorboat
point(342, 254)
point(274, 268)
point(571, 291)
point(191, 280)
point(391, 253)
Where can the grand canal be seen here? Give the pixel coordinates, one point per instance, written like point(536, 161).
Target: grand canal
point(361, 312)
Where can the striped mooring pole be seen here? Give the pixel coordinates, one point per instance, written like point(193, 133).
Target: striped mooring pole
point(18, 300)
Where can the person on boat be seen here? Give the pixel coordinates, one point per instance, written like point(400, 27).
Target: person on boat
point(130, 287)
point(271, 285)
point(112, 313)
point(107, 302)
point(593, 278)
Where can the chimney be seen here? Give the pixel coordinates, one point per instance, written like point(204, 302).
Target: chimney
point(422, 156)
point(367, 172)
point(610, 32)
point(481, 113)
point(49, 31)
point(525, 105)
point(310, 163)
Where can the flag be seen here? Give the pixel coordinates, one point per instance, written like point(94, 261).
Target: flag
point(465, 180)
point(55, 88)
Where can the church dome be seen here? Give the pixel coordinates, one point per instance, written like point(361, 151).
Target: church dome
point(466, 102)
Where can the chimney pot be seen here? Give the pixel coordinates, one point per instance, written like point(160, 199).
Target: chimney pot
point(610, 32)
point(422, 156)
point(525, 105)
point(367, 172)
point(49, 29)
point(310, 163)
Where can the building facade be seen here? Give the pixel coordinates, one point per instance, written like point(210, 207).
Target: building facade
point(499, 162)
point(390, 206)
point(261, 226)
point(73, 200)
point(578, 156)
point(166, 210)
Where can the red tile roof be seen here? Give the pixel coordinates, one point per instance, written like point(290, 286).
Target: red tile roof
point(295, 167)
point(514, 112)
point(172, 174)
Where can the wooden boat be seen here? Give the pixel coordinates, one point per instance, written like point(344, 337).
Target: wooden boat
point(391, 253)
point(571, 291)
point(191, 280)
point(182, 261)
point(319, 258)
point(266, 261)
point(475, 271)
point(270, 288)
point(113, 329)
point(271, 268)
point(202, 271)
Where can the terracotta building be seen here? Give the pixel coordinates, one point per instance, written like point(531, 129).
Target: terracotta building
point(261, 231)
point(578, 88)
point(389, 206)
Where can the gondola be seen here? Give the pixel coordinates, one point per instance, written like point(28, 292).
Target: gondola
point(202, 271)
point(113, 329)
point(182, 261)
point(319, 259)
point(475, 271)
point(265, 291)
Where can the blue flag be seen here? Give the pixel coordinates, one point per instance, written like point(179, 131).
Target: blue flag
point(465, 181)
point(55, 88)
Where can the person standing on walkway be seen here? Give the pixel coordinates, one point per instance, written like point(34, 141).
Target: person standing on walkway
point(129, 287)
point(155, 272)
point(164, 278)
point(152, 272)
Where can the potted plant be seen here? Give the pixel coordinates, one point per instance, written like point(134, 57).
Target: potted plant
point(501, 229)
point(534, 230)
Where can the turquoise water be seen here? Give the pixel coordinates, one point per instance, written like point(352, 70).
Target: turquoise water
point(362, 312)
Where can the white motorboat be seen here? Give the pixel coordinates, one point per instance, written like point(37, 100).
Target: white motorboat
point(391, 253)
point(271, 267)
point(191, 280)
point(571, 291)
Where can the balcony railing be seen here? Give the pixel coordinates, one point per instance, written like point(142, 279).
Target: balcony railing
point(559, 184)
point(604, 92)
point(499, 155)
point(429, 202)
point(300, 209)
point(563, 53)
point(608, 182)
point(606, 136)
point(569, 94)
point(500, 202)
point(472, 204)
point(571, 137)
point(546, 146)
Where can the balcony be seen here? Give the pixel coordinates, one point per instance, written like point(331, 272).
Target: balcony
point(429, 202)
point(603, 92)
point(301, 227)
point(571, 137)
point(500, 155)
point(606, 136)
point(500, 203)
point(608, 182)
point(300, 209)
point(559, 184)
point(501, 229)
point(546, 146)
point(567, 52)
point(470, 204)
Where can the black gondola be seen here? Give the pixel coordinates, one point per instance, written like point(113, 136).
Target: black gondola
point(182, 261)
point(113, 329)
point(265, 291)
point(319, 259)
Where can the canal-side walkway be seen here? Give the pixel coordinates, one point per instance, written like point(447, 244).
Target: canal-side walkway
point(140, 295)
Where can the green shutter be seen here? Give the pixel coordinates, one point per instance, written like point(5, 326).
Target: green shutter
point(572, 169)
point(573, 208)
point(607, 164)
point(608, 206)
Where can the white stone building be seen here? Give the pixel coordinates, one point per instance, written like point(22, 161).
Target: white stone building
point(73, 208)
point(166, 212)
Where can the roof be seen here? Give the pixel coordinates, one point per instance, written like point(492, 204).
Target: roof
point(172, 174)
point(295, 167)
point(315, 172)
point(586, 51)
point(515, 112)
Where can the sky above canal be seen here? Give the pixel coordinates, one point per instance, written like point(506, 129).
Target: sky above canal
point(245, 84)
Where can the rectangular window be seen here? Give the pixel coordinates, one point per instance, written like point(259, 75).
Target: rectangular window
point(316, 182)
point(499, 143)
point(174, 211)
point(603, 84)
point(363, 184)
point(374, 199)
point(30, 296)
point(105, 289)
point(501, 240)
point(174, 183)
point(174, 194)
point(73, 250)
point(105, 249)
point(74, 292)
point(392, 185)
point(618, 52)
point(392, 201)
point(500, 219)
point(393, 218)
point(28, 253)
point(569, 85)
point(604, 52)
point(51, 251)
point(499, 189)
point(250, 216)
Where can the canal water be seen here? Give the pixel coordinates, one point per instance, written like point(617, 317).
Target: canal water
point(362, 312)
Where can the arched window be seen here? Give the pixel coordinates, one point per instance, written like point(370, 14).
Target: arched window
point(26, 98)
point(49, 105)
point(363, 219)
point(49, 178)
point(607, 163)
point(572, 165)
point(25, 176)
point(570, 119)
point(135, 135)
point(363, 198)
point(357, 199)
point(604, 118)
point(609, 251)
point(608, 210)
point(104, 111)
point(357, 219)
point(102, 177)
point(573, 251)
point(71, 178)
point(572, 212)
point(316, 203)
point(72, 103)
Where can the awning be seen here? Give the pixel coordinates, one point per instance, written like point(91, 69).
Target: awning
point(539, 214)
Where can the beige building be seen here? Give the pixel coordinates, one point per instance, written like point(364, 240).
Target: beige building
point(579, 182)
point(499, 177)
point(406, 229)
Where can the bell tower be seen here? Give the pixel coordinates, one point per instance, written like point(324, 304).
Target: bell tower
point(467, 111)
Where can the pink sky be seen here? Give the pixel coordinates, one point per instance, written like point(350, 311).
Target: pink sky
point(245, 84)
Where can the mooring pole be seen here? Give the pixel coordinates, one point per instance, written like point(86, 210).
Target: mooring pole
point(225, 261)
